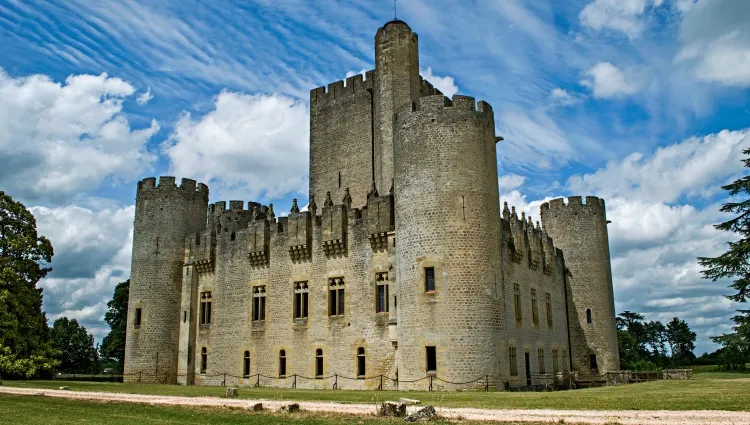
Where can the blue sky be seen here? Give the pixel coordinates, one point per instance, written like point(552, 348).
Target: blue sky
point(643, 102)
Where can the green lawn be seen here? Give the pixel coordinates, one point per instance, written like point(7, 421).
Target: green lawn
point(707, 391)
point(35, 410)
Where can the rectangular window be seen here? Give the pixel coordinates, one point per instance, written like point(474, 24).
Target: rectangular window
point(431, 359)
point(566, 361)
point(555, 362)
point(541, 360)
point(548, 298)
point(300, 300)
point(517, 301)
point(592, 363)
point(534, 309)
point(513, 361)
point(429, 279)
point(381, 280)
point(259, 303)
point(138, 316)
point(336, 297)
point(205, 318)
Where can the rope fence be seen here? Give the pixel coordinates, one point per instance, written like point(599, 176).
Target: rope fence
point(534, 382)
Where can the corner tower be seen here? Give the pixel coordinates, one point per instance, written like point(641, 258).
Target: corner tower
point(164, 216)
point(448, 233)
point(581, 231)
point(397, 84)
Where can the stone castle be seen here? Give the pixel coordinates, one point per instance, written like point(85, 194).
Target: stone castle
point(404, 266)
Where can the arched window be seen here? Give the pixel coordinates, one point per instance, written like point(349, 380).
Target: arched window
point(246, 365)
point(589, 320)
point(361, 362)
point(204, 359)
point(318, 363)
point(282, 363)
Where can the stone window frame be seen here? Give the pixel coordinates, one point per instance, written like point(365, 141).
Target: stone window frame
point(512, 360)
point(431, 356)
point(517, 306)
point(336, 296)
point(382, 286)
point(259, 293)
point(361, 363)
point(534, 308)
point(541, 360)
point(246, 364)
point(548, 299)
point(301, 301)
point(138, 319)
point(204, 361)
point(589, 317)
point(205, 308)
point(282, 363)
point(434, 263)
point(319, 366)
point(555, 360)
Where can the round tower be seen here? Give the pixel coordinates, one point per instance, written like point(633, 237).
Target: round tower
point(580, 230)
point(164, 216)
point(448, 241)
point(397, 84)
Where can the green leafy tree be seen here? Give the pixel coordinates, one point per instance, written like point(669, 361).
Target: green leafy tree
point(735, 264)
point(681, 341)
point(75, 344)
point(25, 350)
point(113, 345)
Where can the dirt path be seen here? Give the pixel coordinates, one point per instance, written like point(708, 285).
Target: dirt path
point(624, 417)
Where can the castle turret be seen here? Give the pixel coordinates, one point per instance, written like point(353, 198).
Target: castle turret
point(164, 216)
point(448, 240)
point(581, 231)
point(397, 83)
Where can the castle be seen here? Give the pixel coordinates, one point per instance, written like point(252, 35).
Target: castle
point(403, 267)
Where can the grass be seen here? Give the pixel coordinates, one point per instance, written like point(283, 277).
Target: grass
point(34, 410)
point(707, 391)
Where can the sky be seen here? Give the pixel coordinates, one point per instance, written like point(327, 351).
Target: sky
point(645, 103)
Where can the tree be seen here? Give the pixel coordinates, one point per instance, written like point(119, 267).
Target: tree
point(113, 345)
point(735, 264)
point(24, 334)
point(681, 341)
point(75, 344)
point(656, 338)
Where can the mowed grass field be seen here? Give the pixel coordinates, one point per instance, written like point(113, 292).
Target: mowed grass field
point(707, 391)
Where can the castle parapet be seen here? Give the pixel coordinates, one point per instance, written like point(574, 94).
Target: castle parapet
point(342, 89)
point(593, 205)
point(258, 242)
point(299, 233)
point(334, 221)
point(169, 182)
point(440, 103)
point(531, 241)
point(200, 251)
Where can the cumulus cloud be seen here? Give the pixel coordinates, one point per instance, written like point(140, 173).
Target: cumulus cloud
point(446, 84)
point(248, 145)
point(608, 81)
point(625, 16)
point(144, 97)
point(561, 97)
point(715, 38)
point(690, 168)
point(92, 254)
point(58, 139)
point(509, 182)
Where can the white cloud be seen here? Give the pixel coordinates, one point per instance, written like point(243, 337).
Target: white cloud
point(361, 72)
point(144, 97)
point(509, 182)
point(625, 16)
point(446, 84)
point(532, 139)
point(561, 97)
point(692, 168)
point(60, 139)
point(715, 39)
point(608, 81)
point(248, 145)
point(92, 254)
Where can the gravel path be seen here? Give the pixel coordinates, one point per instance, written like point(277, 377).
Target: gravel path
point(624, 417)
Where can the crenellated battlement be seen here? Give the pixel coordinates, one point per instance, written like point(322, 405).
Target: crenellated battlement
point(441, 104)
point(592, 203)
point(342, 89)
point(529, 241)
point(220, 207)
point(169, 183)
point(427, 89)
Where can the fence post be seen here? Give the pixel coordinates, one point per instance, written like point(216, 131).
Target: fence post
point(486, 383)
point(336, 381)
point(224, 382)
point(294, 383)
point(430, 387)
point(257, 380)
point(139, 376)
point(380, 387)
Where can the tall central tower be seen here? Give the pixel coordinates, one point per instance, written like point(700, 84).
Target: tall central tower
point(397, 83)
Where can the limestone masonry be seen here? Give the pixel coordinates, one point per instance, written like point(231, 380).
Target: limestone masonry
point(404, 265)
